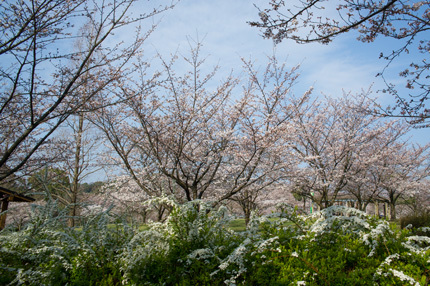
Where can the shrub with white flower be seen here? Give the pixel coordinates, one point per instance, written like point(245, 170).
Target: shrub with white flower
point(48, 252)
point(194, 236)
point(194, 246)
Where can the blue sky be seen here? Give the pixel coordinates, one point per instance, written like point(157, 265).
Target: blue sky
point(227, 37)
point(345, 64)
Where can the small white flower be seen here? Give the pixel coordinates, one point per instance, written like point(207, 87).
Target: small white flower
point(402, 276)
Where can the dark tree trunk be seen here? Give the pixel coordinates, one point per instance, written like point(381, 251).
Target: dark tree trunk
point(4, 206)
point(247, 214)
point(392, 210)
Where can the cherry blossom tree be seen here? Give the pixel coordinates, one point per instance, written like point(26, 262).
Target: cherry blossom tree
point(38, 91)
point(365, 184)
point(127, 197)
point(417, 203)
point(403, 173)
point(262, 196)
point(333, 140)
point(205, 139)
point(322, 21)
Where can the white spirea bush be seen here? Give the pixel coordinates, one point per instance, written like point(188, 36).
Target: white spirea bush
point(339, 218)
point(193, 233)
point(337, 246)
point(48, 252)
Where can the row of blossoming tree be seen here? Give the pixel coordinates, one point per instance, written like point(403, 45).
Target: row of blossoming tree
point(188, 135)
point(251, 140)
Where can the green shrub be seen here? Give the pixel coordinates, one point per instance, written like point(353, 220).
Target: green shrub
point(416, 221)
point(184, 250)
point(195, 246)
point(340, 246)
point(47, 252)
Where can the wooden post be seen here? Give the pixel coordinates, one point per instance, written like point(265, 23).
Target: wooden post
point(385, 210)
point(376, 209)
point(4, 206)
point(7, 196)
point(388, 212)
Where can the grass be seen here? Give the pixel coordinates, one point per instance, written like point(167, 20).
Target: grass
point(237, 225)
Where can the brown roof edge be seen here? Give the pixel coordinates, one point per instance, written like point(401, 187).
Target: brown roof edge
point(14, 196)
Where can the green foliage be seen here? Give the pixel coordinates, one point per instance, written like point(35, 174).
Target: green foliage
point(185, 249)
point(91, 187)
point(47, 252)
point(237, 225)
point(195, 246)
point(52, 180)
point(416, 220)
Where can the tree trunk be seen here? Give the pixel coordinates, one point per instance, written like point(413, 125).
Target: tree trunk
point(247, 213)
point(160, 213)
point(376, 209)
point(4, 206)
point(385, 210)
point(76, 172)
point(392, 210)
point(144, 214)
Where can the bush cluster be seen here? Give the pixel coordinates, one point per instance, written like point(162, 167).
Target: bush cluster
point(47, 252)
point(337, 246)
point(416, 221)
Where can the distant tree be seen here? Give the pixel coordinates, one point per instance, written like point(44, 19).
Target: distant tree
point(261, 196)
point(403, 173)
point(365, 183)
point(418, 202)
point(93, 187)
point(127, 198)
point(52, 180)
point(247, 200)
point(333, 138)
point(321, 21)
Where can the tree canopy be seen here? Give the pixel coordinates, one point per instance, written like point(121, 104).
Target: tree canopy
point(321, 21)
point(40, 85)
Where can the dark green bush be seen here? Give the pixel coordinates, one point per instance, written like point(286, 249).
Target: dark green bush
point(416, 220)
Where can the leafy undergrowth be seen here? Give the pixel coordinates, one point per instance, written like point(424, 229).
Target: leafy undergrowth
point(197, 246)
